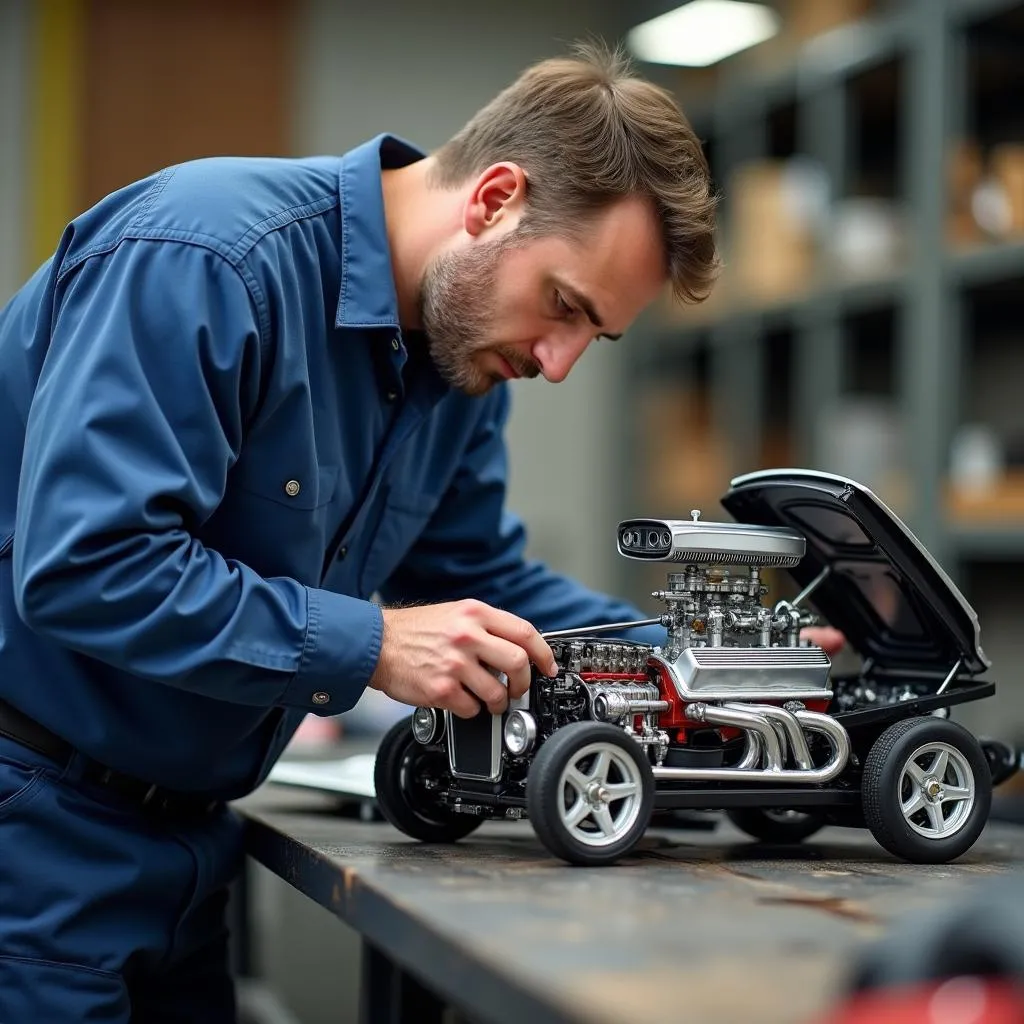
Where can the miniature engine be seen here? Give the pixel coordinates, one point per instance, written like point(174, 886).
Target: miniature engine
point(731, 666)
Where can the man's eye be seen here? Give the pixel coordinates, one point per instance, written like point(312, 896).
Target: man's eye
point(563, 307)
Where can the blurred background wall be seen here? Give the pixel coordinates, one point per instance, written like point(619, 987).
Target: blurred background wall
point(13, 142)
point(871, 160)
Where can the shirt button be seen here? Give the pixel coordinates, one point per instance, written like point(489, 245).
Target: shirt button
point(395, 344)
point(320, 697)
point(292, 488)
point(342, 552)
point(392, 395)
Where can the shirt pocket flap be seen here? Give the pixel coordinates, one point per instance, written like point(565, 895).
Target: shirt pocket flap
point(302, 491)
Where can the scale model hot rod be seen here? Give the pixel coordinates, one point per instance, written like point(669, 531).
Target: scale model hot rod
point(736, 711)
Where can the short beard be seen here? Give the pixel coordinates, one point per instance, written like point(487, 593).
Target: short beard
point(457, 313)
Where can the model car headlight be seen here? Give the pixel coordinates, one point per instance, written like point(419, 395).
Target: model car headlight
point(520, 733)
point(426, 725)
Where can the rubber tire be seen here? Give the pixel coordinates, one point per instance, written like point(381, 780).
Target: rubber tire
point(756, 822)
point(400, 805)
point(880, 789)
point(1003, 759)
point(543, 798)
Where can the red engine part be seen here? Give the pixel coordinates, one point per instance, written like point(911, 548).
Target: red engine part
point(967, 1000)
point(675, 717)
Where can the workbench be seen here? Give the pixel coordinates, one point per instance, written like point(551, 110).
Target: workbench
point(698, 925)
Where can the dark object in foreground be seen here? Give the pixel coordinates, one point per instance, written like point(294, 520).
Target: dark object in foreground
point(958, 962)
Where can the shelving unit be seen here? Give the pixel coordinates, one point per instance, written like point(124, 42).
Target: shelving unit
point(798, 358)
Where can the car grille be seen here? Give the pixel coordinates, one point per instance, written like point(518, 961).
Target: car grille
point(474, 745)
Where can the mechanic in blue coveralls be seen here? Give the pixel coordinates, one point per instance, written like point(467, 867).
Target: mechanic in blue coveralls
point(244, 397)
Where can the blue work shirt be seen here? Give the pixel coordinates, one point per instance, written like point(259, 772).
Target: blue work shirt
point(218, 452)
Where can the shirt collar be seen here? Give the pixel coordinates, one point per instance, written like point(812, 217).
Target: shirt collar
point(367, 297)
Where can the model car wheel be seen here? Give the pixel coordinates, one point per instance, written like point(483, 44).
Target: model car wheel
point(402, 775)
point(1003, 760)
point(589, 793)
point(926, 789)
point(776, 825)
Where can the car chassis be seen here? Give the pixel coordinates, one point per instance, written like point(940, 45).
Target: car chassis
point(737, 710)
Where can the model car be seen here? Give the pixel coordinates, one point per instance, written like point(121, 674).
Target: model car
point(737, 711)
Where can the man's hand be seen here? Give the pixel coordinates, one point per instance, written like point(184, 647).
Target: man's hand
point(827, 638)
point(448, 655)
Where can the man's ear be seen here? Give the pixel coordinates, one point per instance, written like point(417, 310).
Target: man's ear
point(497, 195)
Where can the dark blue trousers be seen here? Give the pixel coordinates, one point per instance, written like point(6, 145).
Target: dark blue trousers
point(108, 912)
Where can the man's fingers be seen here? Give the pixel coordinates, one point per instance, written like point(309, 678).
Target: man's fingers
point(827, 638)
point(522, 633)
point(466, 707)
point(459, 701)
point(485, 685)
point(502, 656)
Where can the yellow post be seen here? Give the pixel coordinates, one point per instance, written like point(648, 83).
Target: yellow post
point(56, 81)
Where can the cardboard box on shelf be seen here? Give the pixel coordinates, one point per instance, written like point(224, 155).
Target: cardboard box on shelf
point(962, 230)
point(965, 167)
point(1007, 164)
point(684, 461)
point(1000, 502)
point(965, 171)
point(771, 248)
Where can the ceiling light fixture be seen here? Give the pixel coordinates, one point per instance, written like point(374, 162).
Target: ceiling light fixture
point(703, 32)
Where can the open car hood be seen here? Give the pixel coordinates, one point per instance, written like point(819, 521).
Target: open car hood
point(884, 591)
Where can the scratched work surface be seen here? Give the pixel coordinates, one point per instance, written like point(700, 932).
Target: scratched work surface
point(695, 926)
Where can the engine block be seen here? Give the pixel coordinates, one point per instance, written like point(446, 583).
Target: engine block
point(593, 655)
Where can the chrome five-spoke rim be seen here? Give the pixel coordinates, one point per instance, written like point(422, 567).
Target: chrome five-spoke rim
point(600, 792)
point(936, 790)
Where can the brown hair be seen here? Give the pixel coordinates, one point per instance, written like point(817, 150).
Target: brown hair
point(588, 131)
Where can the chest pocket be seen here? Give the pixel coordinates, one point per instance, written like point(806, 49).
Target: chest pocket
point(304, 491)
point(400, 523)
point(278, 524)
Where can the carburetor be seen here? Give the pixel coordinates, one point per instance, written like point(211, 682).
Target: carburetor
point(707, 605)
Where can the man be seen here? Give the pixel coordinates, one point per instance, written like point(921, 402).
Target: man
point(242, 399)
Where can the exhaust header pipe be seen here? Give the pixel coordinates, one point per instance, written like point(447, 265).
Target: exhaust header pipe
point(759, 722)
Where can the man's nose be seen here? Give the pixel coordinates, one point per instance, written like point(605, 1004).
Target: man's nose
point(557, 354)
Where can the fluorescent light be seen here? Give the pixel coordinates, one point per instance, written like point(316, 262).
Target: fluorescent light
point(703, 32)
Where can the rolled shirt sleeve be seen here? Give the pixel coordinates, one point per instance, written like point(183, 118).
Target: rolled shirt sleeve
point(141, 409)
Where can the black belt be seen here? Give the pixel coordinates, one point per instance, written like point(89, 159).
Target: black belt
point(17, 726)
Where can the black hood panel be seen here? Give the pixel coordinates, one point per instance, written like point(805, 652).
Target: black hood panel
point(884, 591)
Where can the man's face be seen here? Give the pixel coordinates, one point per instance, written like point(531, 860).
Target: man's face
point(504, 307)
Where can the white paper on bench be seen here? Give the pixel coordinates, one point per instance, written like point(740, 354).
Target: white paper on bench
point(349, 776)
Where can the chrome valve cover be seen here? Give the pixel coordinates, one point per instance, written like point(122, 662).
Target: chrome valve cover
point(750, 673)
